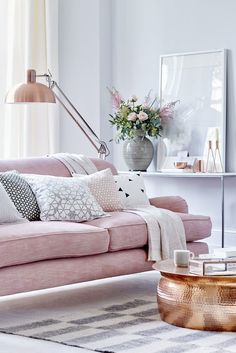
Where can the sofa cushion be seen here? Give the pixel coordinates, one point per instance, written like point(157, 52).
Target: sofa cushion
point(129, 231)
point(34, 241)
point(126, 230)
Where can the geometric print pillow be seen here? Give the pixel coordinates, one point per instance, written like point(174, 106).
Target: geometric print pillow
point(64, 198)
point(21, 195)
point(8, 212)
point(132, 190)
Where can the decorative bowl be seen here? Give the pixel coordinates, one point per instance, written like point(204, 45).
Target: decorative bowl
point(180, 165)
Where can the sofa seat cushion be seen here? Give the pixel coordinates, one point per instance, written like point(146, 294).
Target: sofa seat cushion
point(129, 231)
point(196, 227)
point(34, 241)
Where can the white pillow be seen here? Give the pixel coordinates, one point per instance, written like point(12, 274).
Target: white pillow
point(63, 198)
point(8, 212)
point(132, 190)
point(103, 188)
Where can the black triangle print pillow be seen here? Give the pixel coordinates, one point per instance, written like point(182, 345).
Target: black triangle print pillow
point(132, 190)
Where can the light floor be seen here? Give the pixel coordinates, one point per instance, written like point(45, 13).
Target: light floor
point(85, 294)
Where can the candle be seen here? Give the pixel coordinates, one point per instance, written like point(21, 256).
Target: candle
point(217, 134)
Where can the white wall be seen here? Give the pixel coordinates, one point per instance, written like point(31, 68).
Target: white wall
point(145, 29)
point(118, 42)
point(85, 69)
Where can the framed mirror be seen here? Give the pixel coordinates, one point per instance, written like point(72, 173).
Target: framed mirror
point(197, 131)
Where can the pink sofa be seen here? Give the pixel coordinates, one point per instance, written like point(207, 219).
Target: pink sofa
point(39, 255)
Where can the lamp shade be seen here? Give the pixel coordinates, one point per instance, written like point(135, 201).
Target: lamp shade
point(30, 92)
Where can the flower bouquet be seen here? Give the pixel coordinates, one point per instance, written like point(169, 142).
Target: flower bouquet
point(132, 118)
point(134, 122)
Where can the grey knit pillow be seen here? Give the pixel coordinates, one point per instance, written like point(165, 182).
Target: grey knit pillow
point(21, 195)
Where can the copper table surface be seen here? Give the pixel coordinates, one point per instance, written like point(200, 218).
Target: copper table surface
point(195, 301)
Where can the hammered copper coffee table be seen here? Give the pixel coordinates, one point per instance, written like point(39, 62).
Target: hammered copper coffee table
point(194, 301)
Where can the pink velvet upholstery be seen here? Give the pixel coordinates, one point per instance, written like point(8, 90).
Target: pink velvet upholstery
point(53, 273)
point(101, 164)
point(46, 166)
point(126, 230)
point(198, 247)
point(42, 165)
point(35, 241)
point(196, 227)
point(59, 272)
point(41, 255)
point(172, 203)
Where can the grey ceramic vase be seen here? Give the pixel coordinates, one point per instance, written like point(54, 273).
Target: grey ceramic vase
point(138, 152)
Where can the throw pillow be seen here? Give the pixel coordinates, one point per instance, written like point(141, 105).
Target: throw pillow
point(21, 195)
point(132, 190)
point(64, 199)
point(103, 188)
point(8, 212)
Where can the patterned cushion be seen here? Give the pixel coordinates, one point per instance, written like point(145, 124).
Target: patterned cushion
point(64, 199)
point(103, 188)
point(8, 212)
point(21, 195)
point(132, 190)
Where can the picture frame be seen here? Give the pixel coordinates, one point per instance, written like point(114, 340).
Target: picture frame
point(197, 80)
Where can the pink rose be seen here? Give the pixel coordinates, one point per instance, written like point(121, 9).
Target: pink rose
point(132, 117)
point(142, 116)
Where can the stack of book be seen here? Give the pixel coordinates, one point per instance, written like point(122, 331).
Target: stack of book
point(221, 263)
point(225, 252)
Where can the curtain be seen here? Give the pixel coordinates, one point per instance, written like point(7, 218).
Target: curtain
point(31, 42)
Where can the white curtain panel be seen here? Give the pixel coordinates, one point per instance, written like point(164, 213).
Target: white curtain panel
point(32, 42)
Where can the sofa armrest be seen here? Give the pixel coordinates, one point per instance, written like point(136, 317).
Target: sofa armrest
point(172, 203)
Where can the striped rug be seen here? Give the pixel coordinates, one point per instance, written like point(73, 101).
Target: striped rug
point(132, 326)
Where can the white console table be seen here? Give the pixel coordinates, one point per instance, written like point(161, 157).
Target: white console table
point(220, 176)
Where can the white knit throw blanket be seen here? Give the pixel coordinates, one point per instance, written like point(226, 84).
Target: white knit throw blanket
point(165, 231)
point(76, 163)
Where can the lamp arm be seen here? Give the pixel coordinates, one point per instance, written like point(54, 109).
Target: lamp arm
point(55, 84)
point(76, 121)
point(103, 150)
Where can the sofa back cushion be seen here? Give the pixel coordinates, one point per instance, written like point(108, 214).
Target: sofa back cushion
point(37, 241)
point(47, 166)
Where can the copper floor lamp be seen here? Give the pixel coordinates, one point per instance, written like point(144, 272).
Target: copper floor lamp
point(33, 92)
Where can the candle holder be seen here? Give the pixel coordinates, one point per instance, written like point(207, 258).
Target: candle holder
point(210, 159)
point(217, 156)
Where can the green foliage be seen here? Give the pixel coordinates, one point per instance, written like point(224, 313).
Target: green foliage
point(131, 117)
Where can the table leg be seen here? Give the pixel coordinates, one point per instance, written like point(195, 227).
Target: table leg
point(222, 211)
